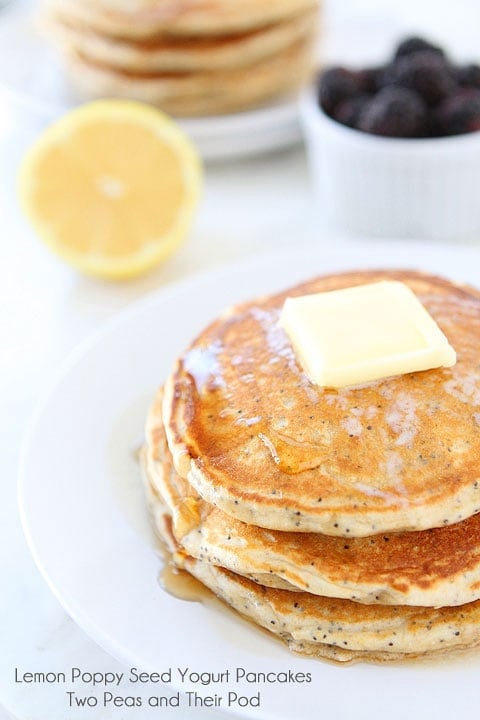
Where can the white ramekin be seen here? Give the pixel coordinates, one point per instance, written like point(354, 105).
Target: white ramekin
point(370, 185)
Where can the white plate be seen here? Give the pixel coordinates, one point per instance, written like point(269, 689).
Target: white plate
point(32, 73)
point(86, 524)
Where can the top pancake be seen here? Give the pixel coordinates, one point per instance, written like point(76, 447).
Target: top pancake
point(257, 439)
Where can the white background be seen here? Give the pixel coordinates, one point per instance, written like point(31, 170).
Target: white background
point(46, 309)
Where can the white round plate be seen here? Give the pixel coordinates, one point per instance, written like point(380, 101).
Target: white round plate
point(32, 73)
point(85, 520)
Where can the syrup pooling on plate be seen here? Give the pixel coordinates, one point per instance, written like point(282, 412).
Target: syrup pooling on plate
point(172, 578)
point(182, 585)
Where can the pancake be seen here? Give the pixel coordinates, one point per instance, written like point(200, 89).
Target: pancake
point(315, 626)
point(338, 630)
point(167, 54)
point(438, 567)
point(147, 18)
point(199, 93)
point(255, 438)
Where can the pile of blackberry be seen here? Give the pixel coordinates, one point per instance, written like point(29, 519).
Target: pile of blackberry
point(419, 93)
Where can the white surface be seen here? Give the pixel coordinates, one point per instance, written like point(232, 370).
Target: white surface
point(252, 132)
point(393, 187)
point(79, 474)
point(45, 309)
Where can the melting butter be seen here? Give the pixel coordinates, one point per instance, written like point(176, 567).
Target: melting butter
point(359, 334)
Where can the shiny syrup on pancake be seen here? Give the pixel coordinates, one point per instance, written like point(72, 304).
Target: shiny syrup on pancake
point(204, 366)
point(291, 456)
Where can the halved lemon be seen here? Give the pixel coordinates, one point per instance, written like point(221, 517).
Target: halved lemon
point(112, 187)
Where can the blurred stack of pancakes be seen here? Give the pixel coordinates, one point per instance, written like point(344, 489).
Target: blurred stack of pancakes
point(343, 521)
point(189, 57)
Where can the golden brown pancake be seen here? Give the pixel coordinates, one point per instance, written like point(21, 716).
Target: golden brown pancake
point(428, 568)
point(338, 630)
point(199, 93)
point(190, 57)
point(166, 54)
point(257, 439)
point(147, 18)
point(316, 626)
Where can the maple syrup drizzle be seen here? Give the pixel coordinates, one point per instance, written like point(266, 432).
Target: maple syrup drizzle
point(181, 585)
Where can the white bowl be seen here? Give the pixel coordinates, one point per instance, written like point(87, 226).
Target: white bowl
point(379, 186)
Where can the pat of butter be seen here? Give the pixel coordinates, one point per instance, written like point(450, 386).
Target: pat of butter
point(364, 333)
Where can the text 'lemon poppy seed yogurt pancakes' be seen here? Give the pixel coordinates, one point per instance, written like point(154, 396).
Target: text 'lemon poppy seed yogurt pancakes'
point(355, 504)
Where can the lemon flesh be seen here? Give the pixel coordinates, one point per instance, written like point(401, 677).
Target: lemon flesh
point(112, 187)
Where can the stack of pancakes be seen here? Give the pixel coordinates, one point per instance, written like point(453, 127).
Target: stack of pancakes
point(189, 57)
point(343, 521)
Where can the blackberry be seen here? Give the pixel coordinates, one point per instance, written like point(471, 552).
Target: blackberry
point(336, 85)
point(469, 76)
point(348, 112)
point(370, 79)
point(426, 72)
point(459, 113)
point(394, 112)
point(416, 44)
